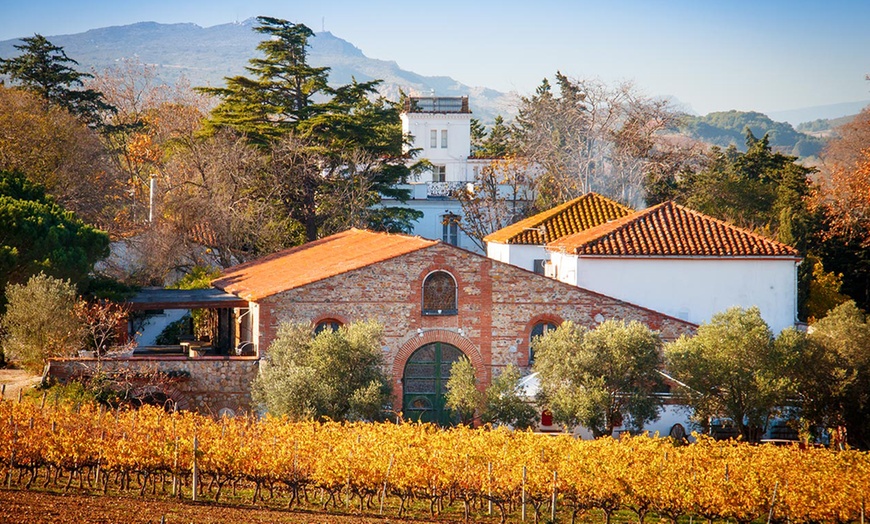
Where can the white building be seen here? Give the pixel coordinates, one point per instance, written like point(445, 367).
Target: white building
point(681, 263)
point(523, 243)
point(440, 128)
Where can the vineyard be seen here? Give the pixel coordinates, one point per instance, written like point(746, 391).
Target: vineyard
point(385, 468)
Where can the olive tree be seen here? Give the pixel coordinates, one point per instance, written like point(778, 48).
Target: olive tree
point(598, 378)
point(334, 374)
point(734, 367)
point(505, 403)
point(40, 322)
point(462, 396)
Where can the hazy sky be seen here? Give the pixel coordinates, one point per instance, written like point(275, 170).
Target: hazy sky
point(764, 55)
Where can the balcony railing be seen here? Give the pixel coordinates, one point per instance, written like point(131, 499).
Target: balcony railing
point(443, 189)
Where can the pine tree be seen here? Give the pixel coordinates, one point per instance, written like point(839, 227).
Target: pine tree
point(44, 68)
point(340, 146)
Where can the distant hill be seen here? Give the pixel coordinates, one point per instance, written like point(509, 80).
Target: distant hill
point(204, 56)
point(808, 114)
point(824, 127)
point(728, 128)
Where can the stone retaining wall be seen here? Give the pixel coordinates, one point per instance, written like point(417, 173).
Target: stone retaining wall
point(206, 384)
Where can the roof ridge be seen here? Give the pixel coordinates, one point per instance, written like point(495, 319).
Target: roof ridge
point(671, 229)
point(590, 207)
point(721, 222)
point(314, 261)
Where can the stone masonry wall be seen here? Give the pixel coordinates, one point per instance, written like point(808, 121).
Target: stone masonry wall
point(206, 384)
point(498, 305)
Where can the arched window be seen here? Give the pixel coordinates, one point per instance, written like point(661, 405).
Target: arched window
point(439, 294)
point(538, 330)
point(326, 324)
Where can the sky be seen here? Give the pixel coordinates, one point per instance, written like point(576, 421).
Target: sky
point(710, 55)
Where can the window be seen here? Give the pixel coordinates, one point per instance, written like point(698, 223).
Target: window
point(329, 323)
point(538, 266)
point(439, 173)
point(439, 294)
point(540, 329)
point(433, 139)
point(450, 229)
point(443, 139)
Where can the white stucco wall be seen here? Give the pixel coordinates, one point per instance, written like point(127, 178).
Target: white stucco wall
point(520, 255)
point(430, 225)
point(455, 156)
point(692, 289)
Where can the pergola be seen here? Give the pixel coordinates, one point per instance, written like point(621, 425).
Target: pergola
point(223, 308)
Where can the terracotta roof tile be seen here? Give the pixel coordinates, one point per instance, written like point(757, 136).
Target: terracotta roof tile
point(577, 215)
point(669, 229)
point(314, 261)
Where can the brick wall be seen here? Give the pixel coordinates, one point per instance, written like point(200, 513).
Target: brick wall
point(498, 304)
point(210, 384)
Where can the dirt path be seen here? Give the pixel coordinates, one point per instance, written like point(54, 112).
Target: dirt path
point(31, 507)
point(15, 380)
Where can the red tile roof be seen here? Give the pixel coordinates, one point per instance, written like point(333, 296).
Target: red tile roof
point(669, 229)
point(314, 261)
point(572, 217)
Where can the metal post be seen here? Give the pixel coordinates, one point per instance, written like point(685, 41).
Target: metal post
point(489, 489)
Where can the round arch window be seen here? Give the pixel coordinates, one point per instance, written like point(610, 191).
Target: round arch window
point(328, 324)
point(439, 294)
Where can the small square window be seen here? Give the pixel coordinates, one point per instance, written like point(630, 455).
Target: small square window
point(439, 173)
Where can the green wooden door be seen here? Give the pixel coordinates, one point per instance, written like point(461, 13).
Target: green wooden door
point(423, 383)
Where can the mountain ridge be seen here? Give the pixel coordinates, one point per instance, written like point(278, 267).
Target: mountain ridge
point(204, 56)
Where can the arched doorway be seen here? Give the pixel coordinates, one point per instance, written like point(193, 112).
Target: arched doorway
point(424, 383)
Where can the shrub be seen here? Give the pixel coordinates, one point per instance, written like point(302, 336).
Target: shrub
point(40, 322)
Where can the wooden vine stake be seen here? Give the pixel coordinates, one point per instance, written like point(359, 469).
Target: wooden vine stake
point(772, 502)
point(386, 478)
point(195, 479)
point(553, 503)
point(523, 514)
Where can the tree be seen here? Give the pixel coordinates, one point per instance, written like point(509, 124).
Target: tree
point(290, 109)
point(592, 137)
point(99, 320)
point(760, 190)
point(497, 143)
point(844, 197)
point(44, 69)
point(504, 402)
point(37, 235)
point(40, 322)
point(834, 376)
point(502, 194)
point(336, 375)
point(56, 150)
point(734, 368)
point(462, 395)
point(602, 377)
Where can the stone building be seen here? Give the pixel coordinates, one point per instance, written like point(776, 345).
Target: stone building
point(437, 303)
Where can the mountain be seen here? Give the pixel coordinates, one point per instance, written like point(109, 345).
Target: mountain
point(828, 112)
point(205, 55)
point(726, 128)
